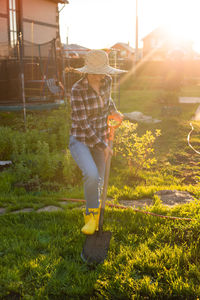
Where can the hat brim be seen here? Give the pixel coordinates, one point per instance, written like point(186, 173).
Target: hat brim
point(103, 70)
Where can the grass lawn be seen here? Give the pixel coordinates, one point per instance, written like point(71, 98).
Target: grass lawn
point(148, 258)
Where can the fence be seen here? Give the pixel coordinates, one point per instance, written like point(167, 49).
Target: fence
point(43, 67)
point(39, 63)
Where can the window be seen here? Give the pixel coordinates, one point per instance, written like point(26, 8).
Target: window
point(13, 14)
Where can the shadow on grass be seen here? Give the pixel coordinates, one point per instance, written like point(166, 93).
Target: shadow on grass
point(40, 257)
point(148, 257)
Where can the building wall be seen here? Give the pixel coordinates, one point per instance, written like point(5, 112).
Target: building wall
point(38, 34)
point(3, 29)
point(40, 10)
point(160, 45)
point(40, 22)
point(3, 6)
point(146, 46)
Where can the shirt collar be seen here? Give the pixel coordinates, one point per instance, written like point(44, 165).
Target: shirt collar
point(85, 83)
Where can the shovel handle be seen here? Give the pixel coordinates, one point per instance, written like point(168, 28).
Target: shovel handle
point(108, 163)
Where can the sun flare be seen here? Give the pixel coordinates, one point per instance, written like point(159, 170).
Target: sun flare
point(182, 21)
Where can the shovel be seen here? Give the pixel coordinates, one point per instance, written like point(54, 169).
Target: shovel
point(96, 246)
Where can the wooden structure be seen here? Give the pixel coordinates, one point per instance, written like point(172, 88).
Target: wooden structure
point(125, 51)
point(37, 21)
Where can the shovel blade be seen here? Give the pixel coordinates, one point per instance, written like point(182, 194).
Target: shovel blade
point(96, 247)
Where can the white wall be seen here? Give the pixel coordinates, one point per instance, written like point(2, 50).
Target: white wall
point(38, 34)
point(40, 10)
point(43, 11)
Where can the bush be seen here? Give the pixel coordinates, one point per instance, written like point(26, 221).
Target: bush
point(54, 127)
point(7, 138)
point(42, 163)
point(137, 151)
point(71, 172)
point(6, 181)
point(38, 154)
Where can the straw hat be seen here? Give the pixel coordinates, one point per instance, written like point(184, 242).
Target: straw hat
point(97, 62)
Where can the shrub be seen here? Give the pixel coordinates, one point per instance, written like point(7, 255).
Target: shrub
point(136, 150)
point(7, 137)
point(54, 127)
point(41, 163)
point(71, 172)
point(6, 181)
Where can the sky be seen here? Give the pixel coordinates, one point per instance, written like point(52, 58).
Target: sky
point(100, 24)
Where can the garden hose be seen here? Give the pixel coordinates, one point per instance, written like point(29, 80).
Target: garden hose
point(134, 209)
point(188, 139)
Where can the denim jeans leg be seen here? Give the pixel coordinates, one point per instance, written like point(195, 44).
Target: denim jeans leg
point(83, 157)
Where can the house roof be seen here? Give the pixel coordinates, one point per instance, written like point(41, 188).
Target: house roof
point(157, 30)
point(162, 32)
point(76, 48)
point(61, 1)
point(125, 46)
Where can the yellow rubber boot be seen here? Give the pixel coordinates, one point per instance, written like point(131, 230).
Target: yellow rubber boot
point(96, 212)
point(91, 221)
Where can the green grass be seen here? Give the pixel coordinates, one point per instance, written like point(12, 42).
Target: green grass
point(174, 155)
point(142, 101)
point(13, 201)
point(148, 257)
point(144, 94)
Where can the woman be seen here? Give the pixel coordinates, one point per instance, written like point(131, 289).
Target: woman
point(91, 104)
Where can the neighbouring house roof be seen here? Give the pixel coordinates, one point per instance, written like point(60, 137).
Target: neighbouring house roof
point(171, 45)
point(61, 1)
point(162, 32)
point(156, 31)
point(125, 46)
point(76, 49)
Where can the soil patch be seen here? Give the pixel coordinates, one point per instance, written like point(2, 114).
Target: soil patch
point(168, 197)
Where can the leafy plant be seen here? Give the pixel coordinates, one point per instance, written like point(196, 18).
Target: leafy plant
point(71, 172)
point(6, 181)
point(136, 150)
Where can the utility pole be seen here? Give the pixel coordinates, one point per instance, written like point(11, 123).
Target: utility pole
point(67, 38)
point(136, 34)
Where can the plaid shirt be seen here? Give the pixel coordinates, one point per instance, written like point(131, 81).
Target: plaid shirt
point(90, 111)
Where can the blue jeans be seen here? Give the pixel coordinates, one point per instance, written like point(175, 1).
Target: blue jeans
point(91, 161)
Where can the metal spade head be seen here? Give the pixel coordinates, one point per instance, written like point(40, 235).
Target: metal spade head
point(96, 247)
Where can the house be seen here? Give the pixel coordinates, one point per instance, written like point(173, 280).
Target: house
point(124, 50)
point(161, 44)
point(38, 23)
point(37, 20)
point(75, 51)
point(126, 55)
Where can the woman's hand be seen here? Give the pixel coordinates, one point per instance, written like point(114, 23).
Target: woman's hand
point(118, 115)
point(108, 151)
point(70, 69)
